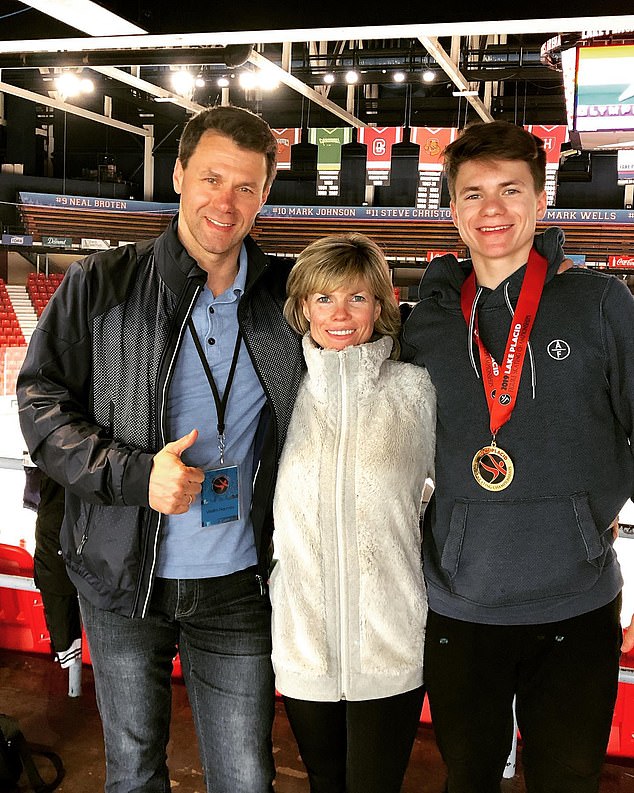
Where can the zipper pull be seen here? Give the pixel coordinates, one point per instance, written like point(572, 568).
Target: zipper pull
point(82, 542)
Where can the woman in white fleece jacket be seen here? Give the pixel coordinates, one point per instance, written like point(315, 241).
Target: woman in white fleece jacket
point(349, 601)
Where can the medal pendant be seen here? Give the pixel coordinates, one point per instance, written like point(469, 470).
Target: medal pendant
point(492, 468)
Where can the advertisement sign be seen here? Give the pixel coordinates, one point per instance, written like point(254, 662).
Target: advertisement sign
point(57, 242)
point(625, 166)
point(95, 245)
point(622, 262)
point(604, 88)
point(17, 239)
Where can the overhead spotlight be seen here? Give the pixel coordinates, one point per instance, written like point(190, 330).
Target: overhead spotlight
point(352, 77)
point(183, 82)
point(68, 85)
point(267, 80)
point(222, 82)
point(200, 83)
point(248, 80)
point(329, 78)
point(429, 75)
point(398, 77)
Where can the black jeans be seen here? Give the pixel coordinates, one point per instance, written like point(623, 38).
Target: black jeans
point(564, 675)
point(356, 747)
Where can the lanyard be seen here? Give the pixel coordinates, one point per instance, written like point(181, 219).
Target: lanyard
point(221, 403)
point(501, 383)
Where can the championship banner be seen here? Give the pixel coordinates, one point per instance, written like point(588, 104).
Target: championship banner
point(285, 139)
point(329, 143)
point(553, 137)
point(379, 141)
point(432, 141)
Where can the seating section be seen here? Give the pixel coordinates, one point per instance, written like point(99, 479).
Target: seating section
point(399, 239)
point(22, 621)
point(10, 332)
point(77, 224)
point(40, 288)
point(407, 240)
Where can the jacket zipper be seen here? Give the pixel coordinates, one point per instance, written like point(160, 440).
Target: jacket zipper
point(339, 526)
point(84, 536)
point(269, 402)
point(161, 416)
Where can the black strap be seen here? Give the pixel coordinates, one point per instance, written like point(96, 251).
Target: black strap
point(14, 738)
point(221, 404)
point(27, 750)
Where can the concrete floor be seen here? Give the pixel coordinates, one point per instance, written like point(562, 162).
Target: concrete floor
point(33, 689)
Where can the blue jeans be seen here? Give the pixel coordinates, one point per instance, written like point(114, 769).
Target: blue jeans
point(221, 627)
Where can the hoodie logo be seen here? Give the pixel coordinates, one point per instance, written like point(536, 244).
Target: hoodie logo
point(558, 349)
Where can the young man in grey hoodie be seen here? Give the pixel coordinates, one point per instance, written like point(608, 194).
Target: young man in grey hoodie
point(534, 372)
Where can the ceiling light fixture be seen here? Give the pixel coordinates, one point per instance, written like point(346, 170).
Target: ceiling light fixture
point(352, 77)
point(329, 78)
point(69, 84)
point(268, 81)
point(248, 81)
point(183, 83)
point(399, 77)
point(429, 75)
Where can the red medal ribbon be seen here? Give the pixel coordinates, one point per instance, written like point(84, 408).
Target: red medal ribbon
point(501, 383)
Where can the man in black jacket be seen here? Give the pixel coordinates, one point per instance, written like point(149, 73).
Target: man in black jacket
point(157, 389)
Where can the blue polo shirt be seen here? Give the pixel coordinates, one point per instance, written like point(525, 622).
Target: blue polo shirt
point(189, 550)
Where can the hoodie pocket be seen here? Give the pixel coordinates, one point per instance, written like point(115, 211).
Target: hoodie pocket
point(504, 552)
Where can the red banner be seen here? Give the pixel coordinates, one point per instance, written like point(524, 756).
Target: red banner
point(285, 139)
point(432, 141)
point(553, 137)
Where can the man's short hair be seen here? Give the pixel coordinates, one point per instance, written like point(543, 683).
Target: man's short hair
point(241, 125)
point(497, 140)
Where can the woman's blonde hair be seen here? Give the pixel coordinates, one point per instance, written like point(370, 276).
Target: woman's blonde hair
point(331, 262)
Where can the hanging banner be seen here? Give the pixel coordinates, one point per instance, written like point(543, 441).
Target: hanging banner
point(285, 139)
point(432, 142)
point(379, 141)
point(553, 137)
point(329, 143)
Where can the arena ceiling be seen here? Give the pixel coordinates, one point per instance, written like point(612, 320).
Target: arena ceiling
point(485, 63)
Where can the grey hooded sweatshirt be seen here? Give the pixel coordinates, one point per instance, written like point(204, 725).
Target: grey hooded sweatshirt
point(540, 550)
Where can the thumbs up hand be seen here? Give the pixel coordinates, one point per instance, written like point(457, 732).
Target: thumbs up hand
point(173, 485)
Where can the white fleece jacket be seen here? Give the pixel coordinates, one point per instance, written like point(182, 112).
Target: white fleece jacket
point(349, 601)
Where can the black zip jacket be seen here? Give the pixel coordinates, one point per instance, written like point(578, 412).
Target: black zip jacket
point(92, 395)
